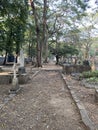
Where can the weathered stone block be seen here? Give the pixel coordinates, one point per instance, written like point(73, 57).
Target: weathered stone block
point(96, 95)
point(5, 79)
point(68, 69)
point(21, 70)
point(23, 78)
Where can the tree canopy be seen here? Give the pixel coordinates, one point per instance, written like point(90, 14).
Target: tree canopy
point(34, 24)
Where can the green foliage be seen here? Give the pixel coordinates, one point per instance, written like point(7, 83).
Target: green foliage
point(13, 24)
point(70, 50)
point(62, 21)
point(90, 74)
point(92, 79)
point(64, 50)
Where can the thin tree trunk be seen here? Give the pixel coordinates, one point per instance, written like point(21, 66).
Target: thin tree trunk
point(17, 50)
point(16, 58)
point(87, 52)
point(45, 32)
point(5, 58)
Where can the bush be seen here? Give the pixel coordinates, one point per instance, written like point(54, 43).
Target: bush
point(92, 79)
point(90, 74)
point(86, 62)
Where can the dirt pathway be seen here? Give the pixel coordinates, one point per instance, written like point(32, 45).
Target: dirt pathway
point(43, 104)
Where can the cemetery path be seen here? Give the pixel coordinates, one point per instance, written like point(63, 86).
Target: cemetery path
point(43, 104)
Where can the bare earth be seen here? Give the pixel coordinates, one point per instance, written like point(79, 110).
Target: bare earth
point(44, 103)
point(86, 96)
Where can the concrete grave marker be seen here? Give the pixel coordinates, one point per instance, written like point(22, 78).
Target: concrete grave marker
point(21, 58)
point(21, 69)
point(15, 85)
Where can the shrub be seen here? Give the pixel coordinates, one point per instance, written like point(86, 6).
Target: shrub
point(89, 74)
point(92, 79)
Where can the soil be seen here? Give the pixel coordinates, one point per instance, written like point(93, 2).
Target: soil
point(44, 103)
point(87, 96)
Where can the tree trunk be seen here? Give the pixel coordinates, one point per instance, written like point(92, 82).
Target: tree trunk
point(57, 59)
point(87, 53)
point(4, 63)
point(39, 45)
point(45, 32)
point(17, 50)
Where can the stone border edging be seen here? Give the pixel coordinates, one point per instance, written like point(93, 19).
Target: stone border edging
point(96, 95)
point(83, 113)
point(87, 85)
point(35, 73)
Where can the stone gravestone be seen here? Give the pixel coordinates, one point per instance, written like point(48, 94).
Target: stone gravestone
point(21, 69)
point(15, 85)
point(23, 77)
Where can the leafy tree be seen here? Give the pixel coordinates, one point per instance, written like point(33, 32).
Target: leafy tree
point(13, 15)
point(37, 26)
point(87, 33)
point(64, 50)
